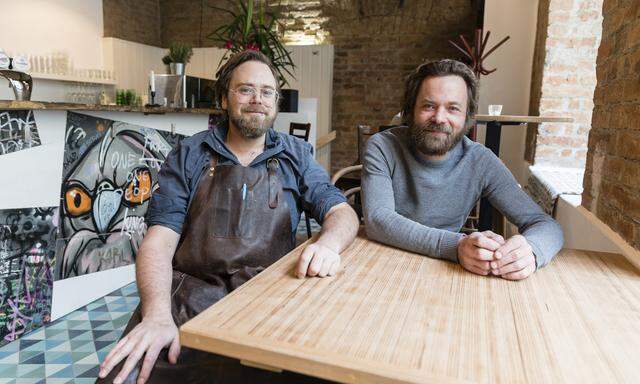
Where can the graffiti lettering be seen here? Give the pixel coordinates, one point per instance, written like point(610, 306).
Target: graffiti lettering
point(25, 271)
point(153, 145)
point(17, 131)
point(125, 161)
point(112, 255)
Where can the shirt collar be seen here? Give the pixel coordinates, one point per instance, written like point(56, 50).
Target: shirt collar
point(218, 133)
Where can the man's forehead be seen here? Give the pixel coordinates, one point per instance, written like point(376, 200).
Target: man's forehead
point(447, 87)
point(254, 73)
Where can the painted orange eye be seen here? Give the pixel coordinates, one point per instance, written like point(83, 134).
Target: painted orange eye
point(77, 201)
point(139, 188)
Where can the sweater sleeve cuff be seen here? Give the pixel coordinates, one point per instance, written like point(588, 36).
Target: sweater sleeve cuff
point(537, 255)
point(449, 246)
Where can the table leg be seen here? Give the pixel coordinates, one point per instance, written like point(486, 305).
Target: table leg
point(491, 141)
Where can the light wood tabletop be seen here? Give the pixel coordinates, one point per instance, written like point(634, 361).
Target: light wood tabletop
point(525, 119)
point(394, 316)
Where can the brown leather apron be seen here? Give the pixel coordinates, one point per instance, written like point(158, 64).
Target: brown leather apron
point(238, 223)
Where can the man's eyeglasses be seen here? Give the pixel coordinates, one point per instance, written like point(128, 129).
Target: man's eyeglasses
point(245, 92)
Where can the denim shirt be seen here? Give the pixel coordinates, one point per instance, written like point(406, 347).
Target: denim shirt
point(306, 185)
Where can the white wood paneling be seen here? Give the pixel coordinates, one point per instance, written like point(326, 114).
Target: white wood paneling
point(132, 62)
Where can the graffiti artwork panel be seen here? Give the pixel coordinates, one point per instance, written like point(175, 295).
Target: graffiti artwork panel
point(110, 170)
point(27, 246)
point(18, 131)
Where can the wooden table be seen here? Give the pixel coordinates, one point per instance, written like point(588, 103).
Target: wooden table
point(394, 316)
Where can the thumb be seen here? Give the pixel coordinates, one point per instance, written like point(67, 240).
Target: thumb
point(174, 350)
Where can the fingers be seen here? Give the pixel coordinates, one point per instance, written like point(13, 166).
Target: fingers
point(507, 259)
point(174, 350)
point(304, 261)
point(317, 260)
point(494, 236)
point(149, 360)
point(334, 268)
point(326, 266)
point(316, 264)
point(481, 265)
point(121, 350)
point(521, 274)
point(482, 241)
point(475, 269)
point(476, 253)
point(518, 264)
point(131, 362)
point(512, 243)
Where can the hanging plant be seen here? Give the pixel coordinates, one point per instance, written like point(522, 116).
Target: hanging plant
point(249, 30)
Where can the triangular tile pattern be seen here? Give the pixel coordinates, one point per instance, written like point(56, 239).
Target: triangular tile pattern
point(71, 347)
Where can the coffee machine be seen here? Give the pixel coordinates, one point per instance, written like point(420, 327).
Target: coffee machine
point(19, 81)
point(184, 91)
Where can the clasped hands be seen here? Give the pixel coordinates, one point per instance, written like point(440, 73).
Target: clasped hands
point(485, 253)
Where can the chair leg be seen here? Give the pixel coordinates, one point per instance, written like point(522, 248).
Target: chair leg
point(308, 222)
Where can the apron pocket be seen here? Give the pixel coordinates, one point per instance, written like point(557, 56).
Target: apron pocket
point(233, 213)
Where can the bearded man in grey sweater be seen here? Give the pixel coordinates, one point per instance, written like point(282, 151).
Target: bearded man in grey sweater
point(421, 180)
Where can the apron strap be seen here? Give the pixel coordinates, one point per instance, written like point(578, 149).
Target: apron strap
point(272, 166)
point(213, 163)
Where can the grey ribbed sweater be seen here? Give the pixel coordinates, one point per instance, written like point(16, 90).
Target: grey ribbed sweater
point(421, 205)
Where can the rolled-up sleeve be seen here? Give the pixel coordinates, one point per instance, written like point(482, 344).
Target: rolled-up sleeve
point(318, 193)
point(170, 200)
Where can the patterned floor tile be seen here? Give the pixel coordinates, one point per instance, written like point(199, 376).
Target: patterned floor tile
point(70, 349)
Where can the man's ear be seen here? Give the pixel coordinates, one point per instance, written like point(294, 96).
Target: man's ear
point(223, 101)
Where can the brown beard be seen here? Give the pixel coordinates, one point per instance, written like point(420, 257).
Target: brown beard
point(431, 145)
point(252, 127)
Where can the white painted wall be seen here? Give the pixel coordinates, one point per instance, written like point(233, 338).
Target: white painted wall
point(42, 26)
point(510, 85)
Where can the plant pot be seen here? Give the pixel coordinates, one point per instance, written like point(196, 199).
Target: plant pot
point(177, 68)
point(289, 100)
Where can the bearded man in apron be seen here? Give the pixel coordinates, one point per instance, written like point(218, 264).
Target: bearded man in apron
point(228, 203)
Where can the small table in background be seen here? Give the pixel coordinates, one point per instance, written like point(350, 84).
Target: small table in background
point(494, 125)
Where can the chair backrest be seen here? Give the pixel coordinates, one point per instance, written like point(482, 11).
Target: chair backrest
point(364, 133)
point(300, 130)
point(383, 128)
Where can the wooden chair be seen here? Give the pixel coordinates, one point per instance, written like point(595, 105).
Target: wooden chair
point(351, 185)
point(302, 131)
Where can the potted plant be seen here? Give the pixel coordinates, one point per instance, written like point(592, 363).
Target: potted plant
point(166, 60)
point(257, 31)
point(178, 57)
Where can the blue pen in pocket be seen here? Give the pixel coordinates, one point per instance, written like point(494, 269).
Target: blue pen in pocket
point(244, 191)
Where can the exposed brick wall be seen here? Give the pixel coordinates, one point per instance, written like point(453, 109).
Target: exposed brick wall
point(377, 43)
point(133, 20)
point(191, 21)
point(563, 80)
point(537, 69)
point(612, 176)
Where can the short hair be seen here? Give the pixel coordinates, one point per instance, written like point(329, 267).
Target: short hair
point(225, 72)
point(438, 68)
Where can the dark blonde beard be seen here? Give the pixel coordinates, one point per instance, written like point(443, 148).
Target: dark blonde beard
point(430, 145)
point(252, 128)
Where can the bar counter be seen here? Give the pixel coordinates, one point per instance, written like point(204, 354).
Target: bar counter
point(56, 106)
